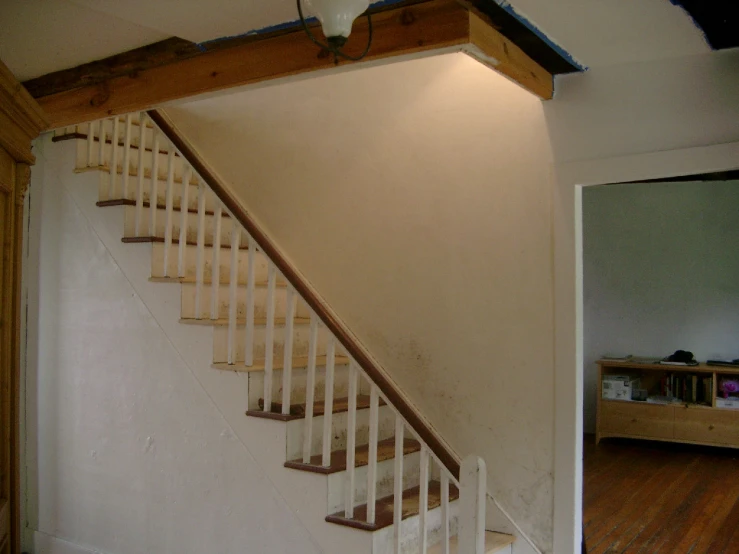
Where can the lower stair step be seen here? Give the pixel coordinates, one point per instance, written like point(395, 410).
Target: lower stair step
point(297, 411)
point(385, 508)
point(385, 451)
point(494, 542)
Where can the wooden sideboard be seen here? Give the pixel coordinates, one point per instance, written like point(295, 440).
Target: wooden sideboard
point(677, 422)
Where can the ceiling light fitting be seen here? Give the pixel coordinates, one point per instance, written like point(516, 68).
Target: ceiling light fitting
point(336, 17)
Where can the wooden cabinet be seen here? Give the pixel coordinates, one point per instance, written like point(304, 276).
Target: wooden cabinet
point(21, 120)
point(676, 422)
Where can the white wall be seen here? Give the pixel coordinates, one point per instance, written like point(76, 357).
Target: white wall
point(610, 125)
point(415, 198)
point(660, 272)
point(125, 451)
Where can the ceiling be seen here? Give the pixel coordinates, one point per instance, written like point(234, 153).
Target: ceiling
point(41, 36)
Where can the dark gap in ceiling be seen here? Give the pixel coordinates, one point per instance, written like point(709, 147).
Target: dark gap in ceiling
point(719, 20)
point(732, 175)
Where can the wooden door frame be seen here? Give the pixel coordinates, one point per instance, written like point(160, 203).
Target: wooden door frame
point(21, 121)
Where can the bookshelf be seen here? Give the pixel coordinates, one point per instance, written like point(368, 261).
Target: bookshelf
point(688, 421)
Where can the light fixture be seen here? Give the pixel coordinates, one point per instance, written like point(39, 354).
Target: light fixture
point(336, 17)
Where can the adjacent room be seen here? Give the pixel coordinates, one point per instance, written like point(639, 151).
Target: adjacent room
point(660, 267)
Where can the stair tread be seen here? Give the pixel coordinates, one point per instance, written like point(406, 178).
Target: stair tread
point(297, 411)
point(136, 240)
point(494, 542)
point(299, 362)
point(146, 204)
point(385, 451)
point(385, 508)
point(223, 282)
point(223, 321)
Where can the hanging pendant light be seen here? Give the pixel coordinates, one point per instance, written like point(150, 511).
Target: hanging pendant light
point(336, 17)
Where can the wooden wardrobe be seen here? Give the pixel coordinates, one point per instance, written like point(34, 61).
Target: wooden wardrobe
point(21, 120)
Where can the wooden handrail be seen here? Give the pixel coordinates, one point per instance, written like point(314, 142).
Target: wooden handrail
point(373, 371)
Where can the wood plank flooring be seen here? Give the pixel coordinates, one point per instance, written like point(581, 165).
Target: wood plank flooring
point(647, 497)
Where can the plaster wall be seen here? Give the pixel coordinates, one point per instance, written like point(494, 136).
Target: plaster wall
point(660, 266)
point(415, 198)
point(615, 124)
point(126, 451)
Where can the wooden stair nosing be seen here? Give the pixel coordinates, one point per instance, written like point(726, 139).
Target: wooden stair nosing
point(258, 321)
point(297, 411)
point(385, 451)
point(224, 282)
point(299, 362)
point(137, 240)
point(385, 507)
point(129, 202)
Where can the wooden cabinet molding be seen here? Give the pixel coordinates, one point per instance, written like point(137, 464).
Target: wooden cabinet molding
point(21, 120)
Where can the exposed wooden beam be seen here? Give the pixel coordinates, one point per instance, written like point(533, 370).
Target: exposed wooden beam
point(435, 25)
point(488, 46)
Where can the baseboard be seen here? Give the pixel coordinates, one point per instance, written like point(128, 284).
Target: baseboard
point(47, 544)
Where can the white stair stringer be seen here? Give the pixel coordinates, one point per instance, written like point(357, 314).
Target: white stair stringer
point(204, 342)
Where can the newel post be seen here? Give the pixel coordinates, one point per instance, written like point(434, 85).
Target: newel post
point(472, 497)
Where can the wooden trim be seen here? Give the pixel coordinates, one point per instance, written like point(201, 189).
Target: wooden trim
point(431, 25)
point(347, 340)
point(21, 117)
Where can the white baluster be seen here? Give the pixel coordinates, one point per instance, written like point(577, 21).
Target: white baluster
point(398, 483)
point(126, 155)
point(423, 501)
point(200, 261)
point(101, 144)
point(444, 511)
point(269, 337)
point(287, 364)
point(140, 174)
point(169, 199)
point(329, 402)
point(472, 498)
point(232, 288)
point(351, 437)
point(251, 260)
point(372, 458)
point(215, 272)
point(90, 141)
point(184, 215)
point(113, 161)
point(310, 389)
point(154, 193)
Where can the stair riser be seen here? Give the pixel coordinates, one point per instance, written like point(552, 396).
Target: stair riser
point(104, 193)
point(260, 302)
point(299, 382)
point(133, 162)
point(301, 338)
point(385, 481)
point(386, 429)
point(383, 539)
point(191, 226)
point(224, 263)
point(108, 127)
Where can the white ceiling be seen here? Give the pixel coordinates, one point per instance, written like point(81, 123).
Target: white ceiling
point(41, 36)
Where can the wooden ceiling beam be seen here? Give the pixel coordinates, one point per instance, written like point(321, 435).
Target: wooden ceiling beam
point(435, 25)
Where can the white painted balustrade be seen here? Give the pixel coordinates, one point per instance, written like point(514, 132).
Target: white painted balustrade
point(180, 177)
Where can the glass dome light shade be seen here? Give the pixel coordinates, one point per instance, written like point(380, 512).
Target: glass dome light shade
point(337, 16)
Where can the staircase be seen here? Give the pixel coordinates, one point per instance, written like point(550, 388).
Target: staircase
point(382, 479)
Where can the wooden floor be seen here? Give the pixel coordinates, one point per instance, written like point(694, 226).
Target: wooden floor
point(648, 497)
